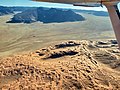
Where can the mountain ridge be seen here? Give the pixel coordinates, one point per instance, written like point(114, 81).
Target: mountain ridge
point(5, 11)
point(46, 16)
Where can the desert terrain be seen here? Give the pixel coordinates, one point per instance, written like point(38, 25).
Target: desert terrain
point(17, 37)
point(70, 65)
point(59, 56)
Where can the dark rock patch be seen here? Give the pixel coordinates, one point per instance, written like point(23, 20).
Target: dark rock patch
point(61, 54)
point(113, 41)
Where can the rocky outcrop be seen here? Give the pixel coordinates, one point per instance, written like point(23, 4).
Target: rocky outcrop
point(26, 16)
point(76, 66)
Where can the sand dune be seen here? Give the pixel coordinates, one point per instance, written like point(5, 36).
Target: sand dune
point(70, 65)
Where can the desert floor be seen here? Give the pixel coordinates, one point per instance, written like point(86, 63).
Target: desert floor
point(59, 56)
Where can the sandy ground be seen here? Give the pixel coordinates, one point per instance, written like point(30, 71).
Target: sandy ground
point(69, 65)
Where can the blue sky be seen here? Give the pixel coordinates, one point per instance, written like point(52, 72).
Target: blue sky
point(43, 4)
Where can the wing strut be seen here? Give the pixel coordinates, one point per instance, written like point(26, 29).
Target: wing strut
point(115, 19)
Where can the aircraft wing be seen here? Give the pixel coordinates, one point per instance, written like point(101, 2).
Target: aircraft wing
point(75, 1)
point(85, 3)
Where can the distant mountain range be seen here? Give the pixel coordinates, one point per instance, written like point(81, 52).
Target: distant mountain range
point(5, 11)
point(96, 13)
point(46, 16)
point(20, 8)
